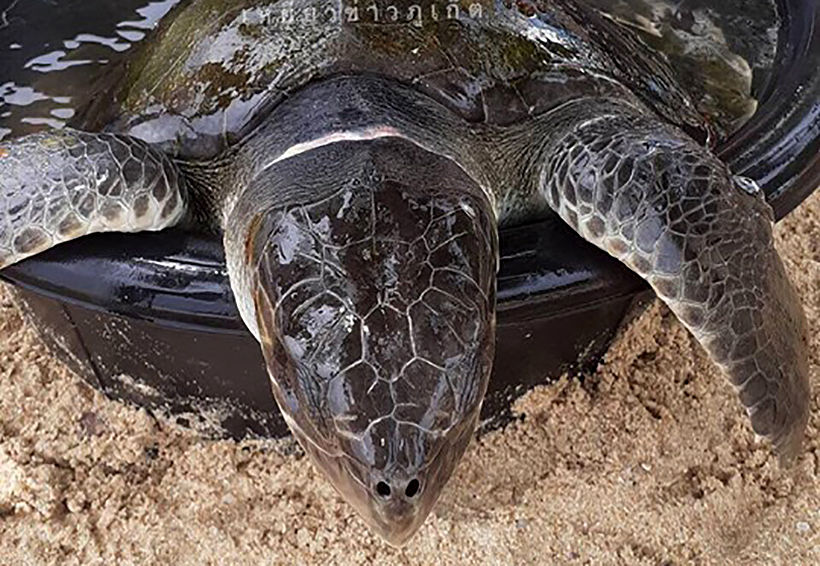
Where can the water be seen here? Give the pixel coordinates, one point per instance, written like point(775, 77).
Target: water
point(52, 50)
point(723, 51)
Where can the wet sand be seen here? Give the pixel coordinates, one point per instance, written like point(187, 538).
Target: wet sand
point(649, 460)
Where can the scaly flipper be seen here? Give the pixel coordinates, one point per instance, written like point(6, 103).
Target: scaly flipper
point(63, 184)
point(665, 206)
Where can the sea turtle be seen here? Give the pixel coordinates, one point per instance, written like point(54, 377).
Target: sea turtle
point(358, 159)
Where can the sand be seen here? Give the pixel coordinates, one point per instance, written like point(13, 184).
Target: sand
point(649, 460)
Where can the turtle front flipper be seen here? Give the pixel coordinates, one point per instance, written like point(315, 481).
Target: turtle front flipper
point(59, 185)
point(671, 211)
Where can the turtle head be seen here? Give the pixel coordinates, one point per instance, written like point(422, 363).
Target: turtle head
point(374, 303)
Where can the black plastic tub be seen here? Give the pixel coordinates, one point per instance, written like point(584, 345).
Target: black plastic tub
point(150, 318)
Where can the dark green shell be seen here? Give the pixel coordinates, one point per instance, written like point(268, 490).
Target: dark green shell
point(215, 67)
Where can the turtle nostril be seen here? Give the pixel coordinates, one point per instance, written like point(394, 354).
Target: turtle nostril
point(412, 488)
point(383, 489)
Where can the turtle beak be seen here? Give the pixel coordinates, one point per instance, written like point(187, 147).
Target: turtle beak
point(394, 504)
point(394, 517)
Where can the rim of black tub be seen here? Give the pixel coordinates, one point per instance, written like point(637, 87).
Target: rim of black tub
point(780, 146)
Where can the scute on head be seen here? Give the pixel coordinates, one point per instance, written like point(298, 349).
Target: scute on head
point(375, 308)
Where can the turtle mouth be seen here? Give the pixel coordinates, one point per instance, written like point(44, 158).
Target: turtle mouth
point(393, 515)
point(394, 521)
